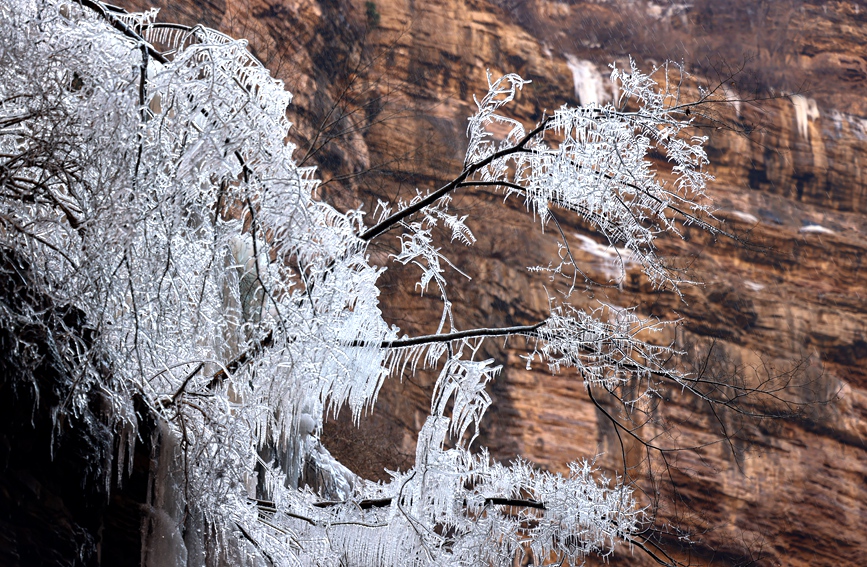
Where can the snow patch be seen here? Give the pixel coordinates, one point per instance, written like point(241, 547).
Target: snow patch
point(815, 229)
point(589, 85)
point(660, 12)
point(806, 110)
point(837, 118)
point(859, 127)
point(745, 217)
point(654, 11)
point(753, 286)
point(613, 258)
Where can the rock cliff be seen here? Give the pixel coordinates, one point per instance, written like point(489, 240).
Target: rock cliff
point(383, 89)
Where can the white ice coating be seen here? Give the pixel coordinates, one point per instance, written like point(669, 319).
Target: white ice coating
point(734, 99)
point(174, 531)
point(162, 531)
point(590, 86)
point(806, 110)
point(859, 127)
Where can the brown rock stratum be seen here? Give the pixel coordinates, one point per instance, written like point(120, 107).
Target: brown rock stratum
point(383, 90)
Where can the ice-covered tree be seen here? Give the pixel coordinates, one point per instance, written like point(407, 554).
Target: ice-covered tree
point(146, 180)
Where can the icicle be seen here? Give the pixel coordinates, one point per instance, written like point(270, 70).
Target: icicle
point(165, 545)
point(806, 110)
point(734, 99)
point(588, 83)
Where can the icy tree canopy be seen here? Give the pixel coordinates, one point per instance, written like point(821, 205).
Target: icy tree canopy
point(145, 178)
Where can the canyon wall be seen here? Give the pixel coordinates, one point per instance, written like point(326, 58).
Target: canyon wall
point(382, 91)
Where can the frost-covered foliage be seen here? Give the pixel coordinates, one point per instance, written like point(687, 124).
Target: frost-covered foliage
point(145, 178)
point(597, 165)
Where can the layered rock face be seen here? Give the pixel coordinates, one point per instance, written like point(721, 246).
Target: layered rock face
point(383, 89)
